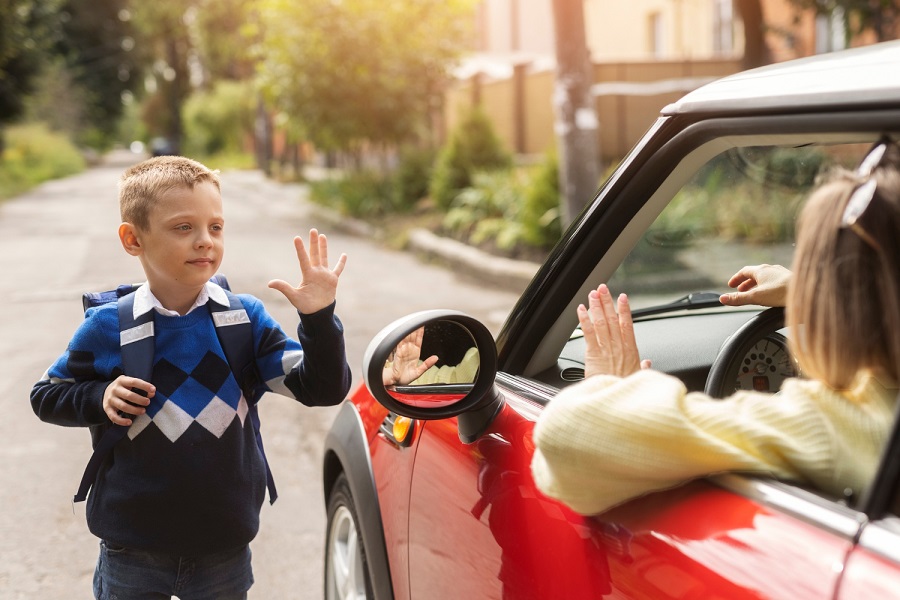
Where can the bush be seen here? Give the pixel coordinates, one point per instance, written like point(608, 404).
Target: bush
point(217, 121)
point(473, 147)
point(488, 212)
point(411, 179)
point(514, 211)
point(363, 194)
point(540, 217)
point(34, 154)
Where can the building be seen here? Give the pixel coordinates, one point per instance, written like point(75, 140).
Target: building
point(646, 53)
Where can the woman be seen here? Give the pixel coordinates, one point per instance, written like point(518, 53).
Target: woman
point(626, 430)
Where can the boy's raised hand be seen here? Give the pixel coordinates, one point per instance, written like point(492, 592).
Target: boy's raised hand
point(406, 366)
point(318, 283)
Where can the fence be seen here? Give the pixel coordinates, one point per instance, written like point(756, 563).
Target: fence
point(628, 97)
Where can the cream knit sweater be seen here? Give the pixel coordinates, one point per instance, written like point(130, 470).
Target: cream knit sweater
point(609, 439)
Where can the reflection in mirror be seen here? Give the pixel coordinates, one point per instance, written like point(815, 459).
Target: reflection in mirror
point(434, 365)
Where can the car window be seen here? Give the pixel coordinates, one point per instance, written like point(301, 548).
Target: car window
point(738, 209)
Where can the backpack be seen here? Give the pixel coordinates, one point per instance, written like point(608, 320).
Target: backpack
point(235, 335)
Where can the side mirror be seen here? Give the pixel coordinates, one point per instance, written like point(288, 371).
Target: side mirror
point(436, 364)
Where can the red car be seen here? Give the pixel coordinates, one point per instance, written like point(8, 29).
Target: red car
point(429, 489)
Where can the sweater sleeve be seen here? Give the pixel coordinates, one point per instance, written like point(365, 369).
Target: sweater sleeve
point(70, 392)
point(464, 372)
point(313, 370)
point(608, 439)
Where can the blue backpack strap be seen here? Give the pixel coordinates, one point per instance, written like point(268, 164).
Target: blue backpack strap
point(91, 299)
point(236, 336)
point(136, 339)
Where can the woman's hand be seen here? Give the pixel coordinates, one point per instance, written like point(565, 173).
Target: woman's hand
point(609, 337)
point(765, 285)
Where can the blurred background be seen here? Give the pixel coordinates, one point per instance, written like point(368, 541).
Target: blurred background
point(490, 121)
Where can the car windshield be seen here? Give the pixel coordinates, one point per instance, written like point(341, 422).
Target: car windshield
point(738, 209)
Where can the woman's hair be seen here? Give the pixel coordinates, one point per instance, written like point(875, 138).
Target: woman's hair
point(844, 299)
point(142, 184)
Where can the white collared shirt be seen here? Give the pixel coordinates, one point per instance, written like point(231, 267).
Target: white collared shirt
point(144, 300)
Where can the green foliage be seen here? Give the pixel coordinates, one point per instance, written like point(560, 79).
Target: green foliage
point(34, 154)
point(359, 70)
point(363, 194)
point(515, 211)
point(162, 32)
point(27, 31)
point(219, 120)
point(488, 211)
point(541, 210)
point(225, 30)
point(749, 194)
point(411, 178)
point(472, 147)
point(56, 100)
point(101, 58)
point(749, 214)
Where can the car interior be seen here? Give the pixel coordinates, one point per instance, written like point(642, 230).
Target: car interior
point(729, 203)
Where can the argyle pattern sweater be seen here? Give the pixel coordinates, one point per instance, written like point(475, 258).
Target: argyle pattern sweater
point(188, 478)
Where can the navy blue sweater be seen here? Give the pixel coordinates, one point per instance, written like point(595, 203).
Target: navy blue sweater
point(188, 478)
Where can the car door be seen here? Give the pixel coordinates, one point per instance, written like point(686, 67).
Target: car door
point(872, 569)
point(478, 528)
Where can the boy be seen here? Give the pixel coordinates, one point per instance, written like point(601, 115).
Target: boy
point(178, 499)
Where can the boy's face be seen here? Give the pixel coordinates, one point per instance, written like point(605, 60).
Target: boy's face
point(183, 246)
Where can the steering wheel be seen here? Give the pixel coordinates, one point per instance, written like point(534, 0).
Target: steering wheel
point(724, 369)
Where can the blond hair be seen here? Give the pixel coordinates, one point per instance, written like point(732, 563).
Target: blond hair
point(142, 184)
point(844, 299)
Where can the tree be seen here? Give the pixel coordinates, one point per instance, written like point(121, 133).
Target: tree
point(576, 116)
point(359, 72)
point(99, 50)
point(756, 51)
point(163, 30)
point(27, 30)
point(224, 32)
point(882, 17)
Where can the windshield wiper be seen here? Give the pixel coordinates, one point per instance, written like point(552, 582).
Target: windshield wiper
point(692, 301)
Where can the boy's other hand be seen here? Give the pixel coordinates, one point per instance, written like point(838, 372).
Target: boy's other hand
point(318, 283)
point(122, 399)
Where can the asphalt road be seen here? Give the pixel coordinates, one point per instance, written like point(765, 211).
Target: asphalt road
point(60, 240)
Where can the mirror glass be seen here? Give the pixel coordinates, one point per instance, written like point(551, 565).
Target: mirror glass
point(433, 366)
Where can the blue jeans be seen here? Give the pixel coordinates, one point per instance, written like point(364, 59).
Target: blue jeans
point(127, 574)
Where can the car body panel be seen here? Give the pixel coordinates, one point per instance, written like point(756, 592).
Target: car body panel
point(510, 541)
point(872, 568)
point(800, 85)
point(347, 451)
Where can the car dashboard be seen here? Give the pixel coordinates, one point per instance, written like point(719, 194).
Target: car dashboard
point(683, 345)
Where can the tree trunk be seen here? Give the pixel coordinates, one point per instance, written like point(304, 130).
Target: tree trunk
point(576, 125)
point(176, 90)
point(756, 51)
point(263, 137)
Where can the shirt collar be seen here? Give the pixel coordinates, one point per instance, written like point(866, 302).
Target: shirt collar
point(145, 301)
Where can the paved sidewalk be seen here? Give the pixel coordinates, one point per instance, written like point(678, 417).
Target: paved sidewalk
point(503, 272)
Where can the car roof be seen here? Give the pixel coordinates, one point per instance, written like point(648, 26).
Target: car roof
point(860, 77)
